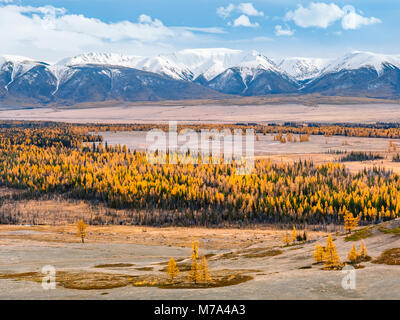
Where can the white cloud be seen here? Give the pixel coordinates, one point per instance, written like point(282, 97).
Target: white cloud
point(279, 31)
point(144, 18)
point(246, 8)
point(202, 30)
point(319, 15)
point(352, 20)
point(244, 21)
point(322, 15)
point(224, 12)
point(51, 33)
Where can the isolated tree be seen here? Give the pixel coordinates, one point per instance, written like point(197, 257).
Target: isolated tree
point(204, 272)
point(350, 222)
point(195, 250)
point(81, 226)
point(294, 234)
point(194, 273)
point(353, 254)
point(286, 239)
point(363, 250)
point(332, 258)
point(173, 269)
point(319, 253)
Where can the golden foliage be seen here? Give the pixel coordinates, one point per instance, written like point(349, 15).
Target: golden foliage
point(204, 272)
point(81, 232)
point(353, 254)
point(53, 158)
point(350, 222)
point(319, 253)
point(363, 250)
point(172, 269)
point(287, 240)
point(294, 234)
point(332, 259)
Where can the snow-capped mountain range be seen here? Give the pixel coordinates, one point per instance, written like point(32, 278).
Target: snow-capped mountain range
point(195, 73)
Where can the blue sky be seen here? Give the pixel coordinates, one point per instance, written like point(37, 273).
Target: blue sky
point(52, 30)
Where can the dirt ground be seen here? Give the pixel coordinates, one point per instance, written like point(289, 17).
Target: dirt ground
point(209, 238)
point(265, 144)
point(213, 112)
point(130, 252)
point(352, 166)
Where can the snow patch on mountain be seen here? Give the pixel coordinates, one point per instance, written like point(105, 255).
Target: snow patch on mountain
point(302, 68)
point(210, 63)
point(112, 59)
point(19, 65)
point(358, 59)
point(158, 64)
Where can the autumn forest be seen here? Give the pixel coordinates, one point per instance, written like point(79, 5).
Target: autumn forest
point(45, 159)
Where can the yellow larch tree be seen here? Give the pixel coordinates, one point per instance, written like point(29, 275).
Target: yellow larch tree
point(172, 269)
point(350, 222)
point(319, 253)
point(204, 271)
point(363, 250)
point(81, 232)
point(353, 254)
point(194, 273)
point(294, 234)
point(195, 250)
point(332, 259)
point(287, 240)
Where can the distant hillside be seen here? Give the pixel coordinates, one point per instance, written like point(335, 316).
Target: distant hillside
point(194, 74)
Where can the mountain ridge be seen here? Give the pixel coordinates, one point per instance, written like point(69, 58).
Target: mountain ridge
point(194, 74)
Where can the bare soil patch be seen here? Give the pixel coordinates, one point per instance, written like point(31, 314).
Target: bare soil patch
point(209, 239)
point(101, 281)
point(115, 265)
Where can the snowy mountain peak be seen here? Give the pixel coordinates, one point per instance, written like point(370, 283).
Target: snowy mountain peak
point(166, 66)
point(255, 60)
point(18, 65)
point(302, 68)
point(101, 58)
point(210, 63)
point(359, 59)
point(17, 59)
point(159, 64)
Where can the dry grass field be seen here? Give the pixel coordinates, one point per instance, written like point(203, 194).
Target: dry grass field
point(126, 262)
point(356, 111)
point(210, 238)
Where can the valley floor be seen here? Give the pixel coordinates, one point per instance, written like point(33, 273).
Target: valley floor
point(137, 251)
point(210, 113)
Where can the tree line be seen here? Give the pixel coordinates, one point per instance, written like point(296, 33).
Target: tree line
point(301, 192)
